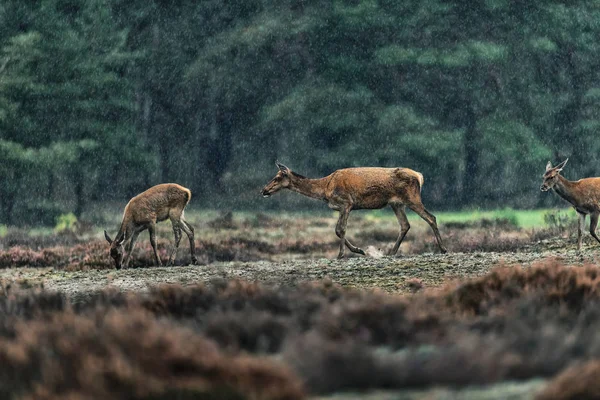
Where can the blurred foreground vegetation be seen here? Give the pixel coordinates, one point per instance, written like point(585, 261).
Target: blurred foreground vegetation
point(485, 337)
point(99, 99)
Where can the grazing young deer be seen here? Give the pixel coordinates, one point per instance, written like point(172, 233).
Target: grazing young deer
point(156, 204)
point(583, 194)
point(361, 189)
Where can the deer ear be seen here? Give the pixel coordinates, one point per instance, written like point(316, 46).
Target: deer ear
point(108, 239)
point(282, 167)
point(560, 166)
point(548, 166)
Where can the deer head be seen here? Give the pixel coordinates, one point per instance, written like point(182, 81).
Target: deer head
point(280, 181)
point(551, 175)
point(116, 249)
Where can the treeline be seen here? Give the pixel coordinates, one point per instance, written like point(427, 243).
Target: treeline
point(100, 99)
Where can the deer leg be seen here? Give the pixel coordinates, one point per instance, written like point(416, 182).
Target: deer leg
point(189, 231)
point(581, 226)
point(404, 226)
point(177, 234)
point(340, 231)
point(129, 248)
point(593, 225)
point(152, 232)
point(431, 220)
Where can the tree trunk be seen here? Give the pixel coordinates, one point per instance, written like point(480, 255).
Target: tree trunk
point(79, 196)
point(470, 194)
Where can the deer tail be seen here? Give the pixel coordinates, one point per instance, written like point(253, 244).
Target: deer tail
point(188, 195)
point(421, 180)
point(409, 176)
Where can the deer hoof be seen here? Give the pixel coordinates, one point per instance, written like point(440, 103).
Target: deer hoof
point(194, 260)
point(443, 250)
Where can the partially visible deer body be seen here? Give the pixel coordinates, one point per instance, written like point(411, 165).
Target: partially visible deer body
point(583, 194)
point(156, 204)
point(361, 188)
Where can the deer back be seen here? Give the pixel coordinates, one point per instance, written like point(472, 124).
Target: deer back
point(375, 187)
point(155, 203)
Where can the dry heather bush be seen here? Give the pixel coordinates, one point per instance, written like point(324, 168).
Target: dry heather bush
point(580, 381)
point(69, 251)
point(22, 238)
point(352, 365)
point(513, 323)
point(94, 254)
point(549, 280)
point(223, 221)
point(130, 356)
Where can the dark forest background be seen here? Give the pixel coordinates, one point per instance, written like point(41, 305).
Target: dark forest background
point(100, 99)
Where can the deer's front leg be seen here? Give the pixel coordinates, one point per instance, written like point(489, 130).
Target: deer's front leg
point(580, 227)
point(129, 249)
point(340, 229)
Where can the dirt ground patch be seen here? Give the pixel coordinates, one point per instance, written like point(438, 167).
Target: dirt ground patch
point(402, 274)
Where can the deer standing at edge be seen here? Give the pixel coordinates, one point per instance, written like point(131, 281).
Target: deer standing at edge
point(584, 196)
point(361, 188)
point(156, 204)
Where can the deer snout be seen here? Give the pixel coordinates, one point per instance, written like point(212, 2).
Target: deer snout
point(544, 188)
point(265, 193)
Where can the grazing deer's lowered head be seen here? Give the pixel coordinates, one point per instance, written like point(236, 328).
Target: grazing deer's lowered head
point(160, 202)
point(116, 249)
point(361, 188)
point(584, 196)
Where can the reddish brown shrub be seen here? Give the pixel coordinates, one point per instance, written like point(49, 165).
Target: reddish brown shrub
point(556, 283)
point(580, 381)
point(130, 356)
point(513, 323)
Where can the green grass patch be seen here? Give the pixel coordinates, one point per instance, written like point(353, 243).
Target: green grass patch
point(525, 219)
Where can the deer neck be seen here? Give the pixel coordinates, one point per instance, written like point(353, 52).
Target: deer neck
point(314, 188)
point(565, 189)
point(123, 229)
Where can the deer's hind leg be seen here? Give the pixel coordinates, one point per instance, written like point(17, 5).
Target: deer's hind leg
point(189, 231)
point(594, 224)
point(177, 234)
point(152, 233)
point(404, 225)
point(419, 208)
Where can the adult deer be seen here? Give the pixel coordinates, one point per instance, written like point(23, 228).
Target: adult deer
point(583, 194)
point(361, 188)
point(156, 204)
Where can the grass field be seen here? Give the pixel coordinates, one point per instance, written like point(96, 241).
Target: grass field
point(526, 219)
point(509, 313)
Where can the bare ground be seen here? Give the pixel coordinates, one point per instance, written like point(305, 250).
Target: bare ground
point(392, 274)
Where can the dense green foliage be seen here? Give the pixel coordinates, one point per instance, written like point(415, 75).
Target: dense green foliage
point(101, 98)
